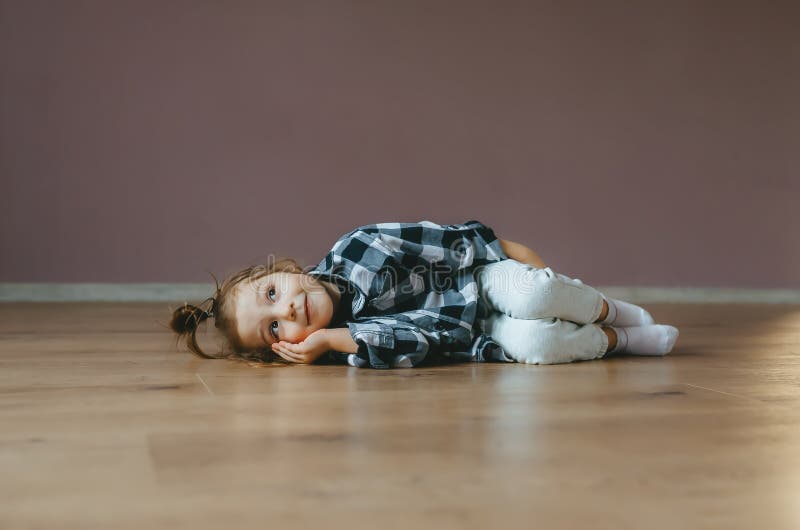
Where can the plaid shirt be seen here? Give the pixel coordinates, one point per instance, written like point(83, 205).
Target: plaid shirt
point(414, 292)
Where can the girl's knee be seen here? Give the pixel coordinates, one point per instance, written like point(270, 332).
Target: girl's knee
point(520, 290)
point(541, 340)
point(525, 340)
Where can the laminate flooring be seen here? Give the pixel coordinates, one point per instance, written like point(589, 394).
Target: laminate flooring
point(105, 424)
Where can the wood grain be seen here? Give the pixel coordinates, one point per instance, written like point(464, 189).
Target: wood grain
point(104, 424)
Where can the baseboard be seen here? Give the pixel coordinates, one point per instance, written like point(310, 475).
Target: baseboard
point(196, 292)
point(702, 295)
point(104, 292)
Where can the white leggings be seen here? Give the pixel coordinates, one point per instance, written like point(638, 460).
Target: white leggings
point(539, 316)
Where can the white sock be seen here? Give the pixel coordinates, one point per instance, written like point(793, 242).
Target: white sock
point(657, 339)
point(625, 314)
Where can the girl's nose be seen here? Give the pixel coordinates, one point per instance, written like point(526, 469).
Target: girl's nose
point(290, 313)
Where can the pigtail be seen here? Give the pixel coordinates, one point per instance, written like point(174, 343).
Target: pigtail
point(187, 318)
point(185, 321)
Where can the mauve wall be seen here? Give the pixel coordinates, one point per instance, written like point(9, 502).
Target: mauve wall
point(629, 143)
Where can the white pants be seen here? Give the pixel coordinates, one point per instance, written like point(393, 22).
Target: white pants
point(539, 316)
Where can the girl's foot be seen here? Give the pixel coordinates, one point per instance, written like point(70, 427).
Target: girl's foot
point(655, 339)
point(625, 314)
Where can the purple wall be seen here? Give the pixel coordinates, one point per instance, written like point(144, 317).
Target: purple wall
point(629, 143)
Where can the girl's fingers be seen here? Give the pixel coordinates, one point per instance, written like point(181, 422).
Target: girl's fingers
point(294, 348)
point(287, 354)
point(283, 352)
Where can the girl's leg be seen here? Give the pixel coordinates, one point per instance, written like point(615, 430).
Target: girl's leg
point(550, 340)
point(546, 340)
point(611, 334)
point(655, 339)
point(525, 292)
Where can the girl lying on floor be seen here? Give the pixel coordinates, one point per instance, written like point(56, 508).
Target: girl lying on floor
point(397, 295)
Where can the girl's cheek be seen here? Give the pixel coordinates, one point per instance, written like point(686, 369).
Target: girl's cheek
point(295, 334)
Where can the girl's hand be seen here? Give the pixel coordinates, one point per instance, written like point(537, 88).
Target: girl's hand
point(305, 352)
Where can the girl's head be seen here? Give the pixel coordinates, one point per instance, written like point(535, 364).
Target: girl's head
point(259, 305)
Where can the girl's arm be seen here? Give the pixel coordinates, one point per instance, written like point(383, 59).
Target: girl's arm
point(339, 339)
point(521, 253)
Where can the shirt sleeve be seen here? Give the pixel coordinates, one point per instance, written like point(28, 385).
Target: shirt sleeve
point(384, 345)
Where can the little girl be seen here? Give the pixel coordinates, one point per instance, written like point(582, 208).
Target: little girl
point(402, 294)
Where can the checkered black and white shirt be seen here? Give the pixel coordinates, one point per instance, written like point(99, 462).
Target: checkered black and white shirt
point(414, 293)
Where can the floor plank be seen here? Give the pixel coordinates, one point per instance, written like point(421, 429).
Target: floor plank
point(105, 423)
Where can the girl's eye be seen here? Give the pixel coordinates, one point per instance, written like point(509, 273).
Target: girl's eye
point(270, 293)
point(273, 328)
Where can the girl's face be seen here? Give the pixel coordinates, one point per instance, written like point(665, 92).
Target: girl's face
point(282, 306)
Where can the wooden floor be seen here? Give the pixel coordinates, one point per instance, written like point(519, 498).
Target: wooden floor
point(103, 424)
